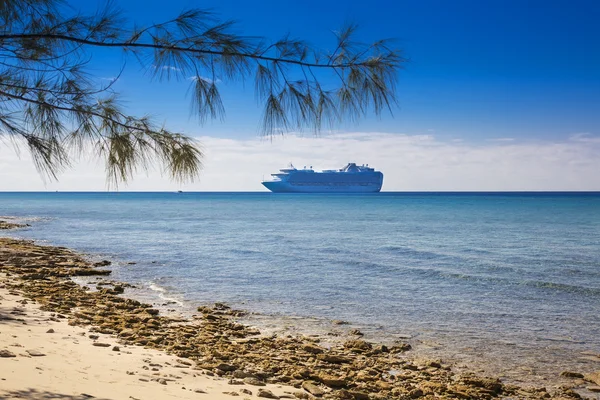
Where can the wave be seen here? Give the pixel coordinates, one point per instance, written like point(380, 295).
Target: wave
point(163, 293)
point(586, 290)
point(332, 250)
point(565, 287)
point(375, 268)
point(441, 273)
point(24, 218)
point(244, 251)
point(424, 254)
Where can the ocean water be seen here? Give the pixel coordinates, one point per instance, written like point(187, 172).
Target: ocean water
point(507, 282)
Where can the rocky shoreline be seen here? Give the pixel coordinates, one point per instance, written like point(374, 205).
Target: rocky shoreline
point(5, 225)
point(213, 343)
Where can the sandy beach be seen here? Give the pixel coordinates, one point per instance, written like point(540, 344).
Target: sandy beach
point(61, 340)
point(43, 357)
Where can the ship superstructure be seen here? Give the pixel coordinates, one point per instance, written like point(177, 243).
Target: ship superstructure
point(350, 179)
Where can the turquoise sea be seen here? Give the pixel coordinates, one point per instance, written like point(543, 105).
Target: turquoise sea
point(509, 281)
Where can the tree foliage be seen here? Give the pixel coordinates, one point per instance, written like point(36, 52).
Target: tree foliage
point(50, 101)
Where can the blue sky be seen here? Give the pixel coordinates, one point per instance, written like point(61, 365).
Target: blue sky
point(478, 69)
point(498, 95)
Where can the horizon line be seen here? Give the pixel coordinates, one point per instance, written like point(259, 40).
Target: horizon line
point(268, 192)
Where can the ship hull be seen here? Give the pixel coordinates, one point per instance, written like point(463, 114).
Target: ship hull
point(285, 187)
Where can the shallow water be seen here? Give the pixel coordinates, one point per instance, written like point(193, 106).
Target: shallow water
point(509, 281)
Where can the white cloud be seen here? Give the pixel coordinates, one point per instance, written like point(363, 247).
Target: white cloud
point(409, 163)
point(204, 78)
point(585, 138)
point(170, 68)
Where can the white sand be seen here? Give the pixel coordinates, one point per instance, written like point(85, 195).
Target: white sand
point(73, 368)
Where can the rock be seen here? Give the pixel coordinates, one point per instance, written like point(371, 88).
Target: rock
point(199, 391)
point(242, 374)
point(50, 330)
point(571, 374)
point(334, 359)
point(162, 381)
point(253, 381)
point(593, 377)
point(102, 263)
point(358, 395)
point(10, 225)
point(569, 393)
point(383, 349)
point(246, 391)
point(356, 332)
point(377, 396)
point(126, 333)
point(116, 348)
point(415, 393)
point(358, 344)
point(313, 389)
point(435, 387)
point(118, 289)
point(6, 354)
point(332, 381)
point(365, 376)
point(493, 385)
point(383, 385)
point(226, 367)
point(595, 389)
point(98, 344)
point(459, 394)
point(400, 348)
point(312, 349)
point(410, 367)
point(267, 394)
point(35, 353)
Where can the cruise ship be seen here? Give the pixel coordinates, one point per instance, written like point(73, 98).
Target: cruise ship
point(350, 179)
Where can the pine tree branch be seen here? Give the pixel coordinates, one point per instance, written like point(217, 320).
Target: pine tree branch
point(73, 110)
point(41, 36)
